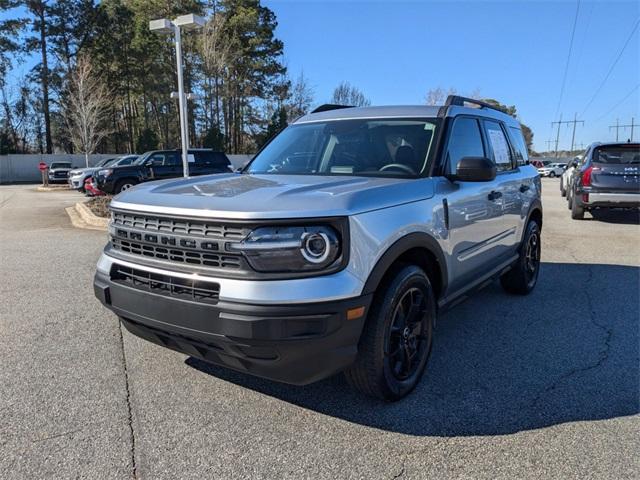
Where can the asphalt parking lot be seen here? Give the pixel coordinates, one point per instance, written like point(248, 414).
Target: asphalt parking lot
point(539, 386)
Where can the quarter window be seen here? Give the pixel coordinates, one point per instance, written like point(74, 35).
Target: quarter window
point(519, 146)
point(465, 141)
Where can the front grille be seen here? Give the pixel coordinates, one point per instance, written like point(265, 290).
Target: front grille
point(178, 226)
point(198, 243)
point(186, 289)
point(178, 255)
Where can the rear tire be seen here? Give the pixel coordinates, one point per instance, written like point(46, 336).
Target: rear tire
point(577, 212)
point(569, 200)
point(395, 344)
point(523, 276)
point(563, 191)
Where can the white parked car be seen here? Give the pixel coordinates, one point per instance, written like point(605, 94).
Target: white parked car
point(552, 170)
point(565, 179)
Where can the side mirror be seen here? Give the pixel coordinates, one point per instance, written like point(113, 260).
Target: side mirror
point(574, 163)
point(475, 169)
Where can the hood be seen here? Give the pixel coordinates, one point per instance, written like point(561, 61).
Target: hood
point(244, 196)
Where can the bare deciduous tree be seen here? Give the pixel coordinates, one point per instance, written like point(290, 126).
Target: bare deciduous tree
point(346, 94)
point(437, 96)
point(301, 98)
point(86, 108)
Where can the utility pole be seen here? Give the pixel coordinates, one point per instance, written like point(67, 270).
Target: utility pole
point(549, 143)
point(575, 121)
point(617, 127)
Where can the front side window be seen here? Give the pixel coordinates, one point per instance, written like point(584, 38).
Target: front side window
point(465, 141)
point(369, 147)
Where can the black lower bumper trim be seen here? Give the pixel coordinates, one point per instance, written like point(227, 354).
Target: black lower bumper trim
point(296, 344)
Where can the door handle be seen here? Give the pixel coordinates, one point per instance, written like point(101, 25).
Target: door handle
point(494, 195)
point(524, 188)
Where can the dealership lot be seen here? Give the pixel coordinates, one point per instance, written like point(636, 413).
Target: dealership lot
point(545, 385)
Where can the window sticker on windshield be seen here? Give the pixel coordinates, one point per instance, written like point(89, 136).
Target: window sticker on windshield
point(499, 146)
point(191, 158)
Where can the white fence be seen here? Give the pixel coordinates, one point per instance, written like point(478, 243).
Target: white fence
point(24, 168)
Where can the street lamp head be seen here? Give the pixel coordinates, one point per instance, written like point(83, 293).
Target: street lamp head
point(162, 26)
point(189, 22)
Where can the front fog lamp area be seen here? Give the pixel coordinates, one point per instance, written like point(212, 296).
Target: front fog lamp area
point(290, 249)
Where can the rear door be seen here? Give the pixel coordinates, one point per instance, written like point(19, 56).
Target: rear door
point(207, 162)
point(616, 168)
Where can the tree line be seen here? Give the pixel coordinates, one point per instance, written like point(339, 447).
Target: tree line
point(102, 79)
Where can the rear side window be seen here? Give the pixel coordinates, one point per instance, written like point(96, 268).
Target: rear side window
point(618, 155)
point(499, 146)
point(211, 159)
point(465, 141)
point(519, 146)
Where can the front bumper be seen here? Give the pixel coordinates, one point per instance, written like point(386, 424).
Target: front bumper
point(286, 341)
point(76, 182)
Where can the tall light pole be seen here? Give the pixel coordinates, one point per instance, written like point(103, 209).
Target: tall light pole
point(168, 27)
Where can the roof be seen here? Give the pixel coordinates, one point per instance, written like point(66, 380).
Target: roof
point(404, 111)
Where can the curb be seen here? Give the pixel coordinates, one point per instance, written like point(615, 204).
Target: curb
point(90, 218)
point(59, 188)
point(77, 221)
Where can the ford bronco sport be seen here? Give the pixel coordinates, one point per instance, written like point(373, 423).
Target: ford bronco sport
point(334, 249)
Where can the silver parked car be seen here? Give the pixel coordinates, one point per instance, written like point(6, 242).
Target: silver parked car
point(78, 176)
point(335, 248)
point(552, 170)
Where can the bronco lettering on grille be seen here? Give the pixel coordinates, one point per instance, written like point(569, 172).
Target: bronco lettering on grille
point(168, 240)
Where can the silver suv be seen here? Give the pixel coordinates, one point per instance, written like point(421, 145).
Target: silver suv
point(334, 249)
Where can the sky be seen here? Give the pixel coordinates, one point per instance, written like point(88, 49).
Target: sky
point(514, 51)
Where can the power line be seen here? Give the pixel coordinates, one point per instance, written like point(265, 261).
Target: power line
point(619, 103)
point(566, 66)
point(615, 62)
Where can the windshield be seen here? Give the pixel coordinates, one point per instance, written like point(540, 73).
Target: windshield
point(618, 154)
point(60, 165)
point(105, 162)
point(142, 158)
point(380, 147)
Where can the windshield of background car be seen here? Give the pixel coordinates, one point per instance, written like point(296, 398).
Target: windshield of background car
point(142, 158)
point(367, 147)
point(618, 154)
point(60, 165)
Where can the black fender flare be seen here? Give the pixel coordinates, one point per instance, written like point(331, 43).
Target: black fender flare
point(536, 205)
point(401, 246)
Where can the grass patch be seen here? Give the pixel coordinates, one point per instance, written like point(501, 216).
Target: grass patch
point(100, 205)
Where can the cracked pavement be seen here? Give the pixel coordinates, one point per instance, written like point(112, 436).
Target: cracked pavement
point(539, 386)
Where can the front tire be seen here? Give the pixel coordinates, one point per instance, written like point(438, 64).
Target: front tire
point(563, 191)
point(395, 344)
point(552, 174)
point(123, 185)
point(523, 276)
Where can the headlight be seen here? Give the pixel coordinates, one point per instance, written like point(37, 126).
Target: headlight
point(106, 172)
point(290, 249)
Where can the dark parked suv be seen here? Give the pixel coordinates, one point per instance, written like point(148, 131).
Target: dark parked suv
point(607, 177)
point(158, 165)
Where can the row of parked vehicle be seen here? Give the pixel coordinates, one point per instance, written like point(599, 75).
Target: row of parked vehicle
point(607, 176)
point(114, 175)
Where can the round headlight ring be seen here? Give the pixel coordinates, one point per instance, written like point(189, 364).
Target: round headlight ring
point(316, 247)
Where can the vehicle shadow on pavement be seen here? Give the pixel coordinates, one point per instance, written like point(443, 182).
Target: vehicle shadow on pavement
point(501, 363)
point(628, 217)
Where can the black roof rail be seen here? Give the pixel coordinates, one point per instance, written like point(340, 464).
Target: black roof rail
point(330, 106)
point(460, 101)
